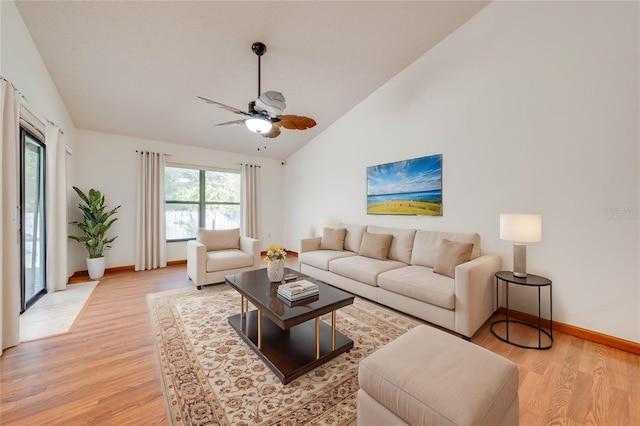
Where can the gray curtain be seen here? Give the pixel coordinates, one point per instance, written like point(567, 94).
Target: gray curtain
point(150, 248)
point(250, 200)
point(9, 216)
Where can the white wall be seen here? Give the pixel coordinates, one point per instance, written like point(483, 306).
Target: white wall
point(107, 162)
point(22, 65)
point(534, 106)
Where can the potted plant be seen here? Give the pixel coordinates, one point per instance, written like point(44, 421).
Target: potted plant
point(94, 225)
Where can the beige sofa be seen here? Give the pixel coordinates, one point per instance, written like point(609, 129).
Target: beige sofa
point(440, 277)
point(217, 253)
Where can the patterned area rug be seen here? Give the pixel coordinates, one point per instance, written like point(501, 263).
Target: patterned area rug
point(211, 376)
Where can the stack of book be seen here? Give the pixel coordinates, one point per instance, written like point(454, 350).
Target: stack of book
point(297, 290)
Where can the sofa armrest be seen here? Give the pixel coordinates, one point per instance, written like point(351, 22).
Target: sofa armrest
point(310, 244)
point(475, 293)
point(250, 246)
point(197, 262)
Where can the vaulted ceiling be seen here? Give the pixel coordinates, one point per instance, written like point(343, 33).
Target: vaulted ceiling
point(135, 67)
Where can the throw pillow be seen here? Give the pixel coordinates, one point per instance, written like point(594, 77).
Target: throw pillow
point(353, 236)
point(450, 255)
point(375, 246)
point(333, 239)
point(219, 239)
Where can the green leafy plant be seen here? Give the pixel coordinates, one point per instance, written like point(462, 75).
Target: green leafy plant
point(95, 223)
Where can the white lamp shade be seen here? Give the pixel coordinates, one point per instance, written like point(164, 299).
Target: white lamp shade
point(523, 228)
point(258, 125)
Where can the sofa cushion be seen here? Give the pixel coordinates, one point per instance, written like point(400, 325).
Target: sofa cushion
point(401, 244)
point(427, 245)
point(353, 236)
point(320, 258)
point(363, 269)
point(219, 239)
point(333, 239)
point(375, 246)
point(450, 255)
point(420, 283)
point(223, 260)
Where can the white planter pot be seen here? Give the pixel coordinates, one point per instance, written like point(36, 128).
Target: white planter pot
point(95, 267)
point(275, 270)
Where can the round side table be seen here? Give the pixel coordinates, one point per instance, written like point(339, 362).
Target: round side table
point(531, 281)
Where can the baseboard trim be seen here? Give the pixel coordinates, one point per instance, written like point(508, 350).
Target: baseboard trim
point(572, 330)
point(127, 268)
point(289, 253)
point(84, 274)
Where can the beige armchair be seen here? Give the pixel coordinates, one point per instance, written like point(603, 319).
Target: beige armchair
point(217, 253)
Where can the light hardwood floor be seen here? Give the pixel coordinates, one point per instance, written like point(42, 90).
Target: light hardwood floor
point(106, 371)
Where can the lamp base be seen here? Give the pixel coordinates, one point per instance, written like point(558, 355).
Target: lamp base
point(520, 260)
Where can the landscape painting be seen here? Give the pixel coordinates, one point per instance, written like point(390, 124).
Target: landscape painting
point(409, 187)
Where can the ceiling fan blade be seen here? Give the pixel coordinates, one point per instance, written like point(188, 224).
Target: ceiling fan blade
point(227, 107)
point(273, 133)
point(232, 123)
point(296, 122)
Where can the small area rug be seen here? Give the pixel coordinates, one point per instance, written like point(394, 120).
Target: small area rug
point(211, 377)
point(55, 313)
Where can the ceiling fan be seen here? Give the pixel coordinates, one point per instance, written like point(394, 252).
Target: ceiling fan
point(265, 113)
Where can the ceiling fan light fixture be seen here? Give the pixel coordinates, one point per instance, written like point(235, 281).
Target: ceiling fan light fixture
point(273, 103)
point(258, 125)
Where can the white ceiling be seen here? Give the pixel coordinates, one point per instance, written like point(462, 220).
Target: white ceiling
point(135, 67)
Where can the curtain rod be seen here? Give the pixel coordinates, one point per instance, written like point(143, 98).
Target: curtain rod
point(162, 153)
point(26, 106)
point(12, 85)
point(250, 165)
point(54, 124)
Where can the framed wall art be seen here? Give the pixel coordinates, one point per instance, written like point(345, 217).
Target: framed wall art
point(409, 187)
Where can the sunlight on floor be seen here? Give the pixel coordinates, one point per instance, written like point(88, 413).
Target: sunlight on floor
point(56, 312)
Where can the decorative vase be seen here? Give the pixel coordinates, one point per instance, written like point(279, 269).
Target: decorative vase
point(275, 270)
point(95, 267)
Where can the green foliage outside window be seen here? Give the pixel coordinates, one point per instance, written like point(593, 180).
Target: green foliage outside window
point(200, 199)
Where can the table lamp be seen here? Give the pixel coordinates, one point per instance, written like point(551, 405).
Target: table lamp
point(520, 228)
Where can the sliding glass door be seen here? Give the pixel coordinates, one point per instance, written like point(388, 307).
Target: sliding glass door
point(33, 242)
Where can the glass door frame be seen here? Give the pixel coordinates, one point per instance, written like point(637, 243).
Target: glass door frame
point(28, 137)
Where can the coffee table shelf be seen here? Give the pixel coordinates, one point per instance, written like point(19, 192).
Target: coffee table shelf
point(289, 353)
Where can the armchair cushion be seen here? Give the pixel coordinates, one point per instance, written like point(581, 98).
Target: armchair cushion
point(223, 260)
point(219, 239)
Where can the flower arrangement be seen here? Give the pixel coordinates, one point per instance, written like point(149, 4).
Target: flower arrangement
point(275, 253)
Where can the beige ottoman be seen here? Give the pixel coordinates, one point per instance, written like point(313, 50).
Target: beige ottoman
point(429, 377)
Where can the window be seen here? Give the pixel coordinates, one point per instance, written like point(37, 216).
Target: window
point(200, 199)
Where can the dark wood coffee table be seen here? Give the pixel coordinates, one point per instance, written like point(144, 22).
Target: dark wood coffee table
point(291, 340)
